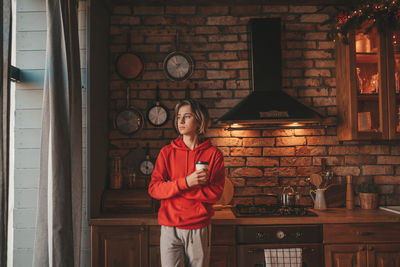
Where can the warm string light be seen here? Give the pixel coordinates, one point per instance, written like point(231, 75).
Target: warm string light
point(380, 14)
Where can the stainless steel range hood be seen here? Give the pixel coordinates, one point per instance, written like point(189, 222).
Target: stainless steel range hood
point(268, 104)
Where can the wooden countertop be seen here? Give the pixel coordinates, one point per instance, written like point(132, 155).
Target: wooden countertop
point(225, 216)
point(332, 215)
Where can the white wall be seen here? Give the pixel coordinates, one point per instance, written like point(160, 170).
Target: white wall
point(30, 39)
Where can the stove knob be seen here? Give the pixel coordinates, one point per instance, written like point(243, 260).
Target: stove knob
point(280, 234)
point(260, 235)
point(299, 234)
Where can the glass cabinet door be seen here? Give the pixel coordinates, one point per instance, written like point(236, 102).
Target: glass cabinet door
point(396, 72)
point(368, 82)
point(368, 85)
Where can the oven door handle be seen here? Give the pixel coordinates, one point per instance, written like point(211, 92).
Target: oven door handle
point(261, 250)
point(255, 250)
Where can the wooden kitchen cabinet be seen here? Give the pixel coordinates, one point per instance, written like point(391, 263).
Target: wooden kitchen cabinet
point(223, 246)
point(223, 256)
point(154, 248)
point(382, 255)
point(119, 246)
point(371, 255)
point(362, 245)
point(345, 256)
point(368, 85)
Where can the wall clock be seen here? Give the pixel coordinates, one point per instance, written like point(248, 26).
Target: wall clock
point(146, 166)
point(157, 115)
point(178, 66)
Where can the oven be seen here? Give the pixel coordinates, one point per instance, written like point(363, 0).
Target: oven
point(254, 240)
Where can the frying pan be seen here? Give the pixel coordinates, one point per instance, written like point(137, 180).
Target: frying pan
point(129, 65)
point(129, 120)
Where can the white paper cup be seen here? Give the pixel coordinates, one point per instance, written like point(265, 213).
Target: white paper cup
point(201, 165)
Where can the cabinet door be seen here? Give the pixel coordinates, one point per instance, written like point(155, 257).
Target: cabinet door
point(119, 247)
point(154, 256)
point(366, 76)
point(371, 85)
point(345, 256)
point(223, 250)
point(383, 255)
point(223, 256)
point(393, 48)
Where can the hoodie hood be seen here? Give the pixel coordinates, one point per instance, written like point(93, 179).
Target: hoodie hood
point(267, 103)
point(179, 144)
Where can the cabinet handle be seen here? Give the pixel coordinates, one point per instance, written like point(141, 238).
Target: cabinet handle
point(255, 250)
point(309, 250)
point(365, 233)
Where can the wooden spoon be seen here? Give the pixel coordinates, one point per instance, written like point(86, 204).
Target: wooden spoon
point(316, 179)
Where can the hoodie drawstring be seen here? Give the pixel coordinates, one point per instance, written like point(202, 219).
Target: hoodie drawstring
point(187, 164)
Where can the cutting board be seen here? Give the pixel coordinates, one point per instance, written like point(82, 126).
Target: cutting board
point(335, 195)
point(394, 209)
point(227, 194)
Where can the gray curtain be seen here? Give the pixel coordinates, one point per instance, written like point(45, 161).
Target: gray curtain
point(5, 52)
point(58, 223)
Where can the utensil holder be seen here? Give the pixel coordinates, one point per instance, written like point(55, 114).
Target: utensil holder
point(368, 201)
point(319, 199)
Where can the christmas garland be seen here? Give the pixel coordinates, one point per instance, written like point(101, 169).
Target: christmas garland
point(380, 14)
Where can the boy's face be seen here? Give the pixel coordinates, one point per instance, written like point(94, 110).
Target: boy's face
point(186, 122)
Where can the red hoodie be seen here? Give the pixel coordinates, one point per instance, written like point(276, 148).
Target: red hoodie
point(183, 207)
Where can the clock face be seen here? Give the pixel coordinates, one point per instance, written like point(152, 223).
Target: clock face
point(157, 115)
point(178, 66)
point(146, 167)
point(129, 121)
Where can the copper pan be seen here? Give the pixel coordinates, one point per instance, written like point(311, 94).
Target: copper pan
point(129, 65)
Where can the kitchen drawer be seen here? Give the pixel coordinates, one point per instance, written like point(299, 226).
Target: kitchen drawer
point(223, 235)
point(220, 235)
point(361, 233)
point(279, 234)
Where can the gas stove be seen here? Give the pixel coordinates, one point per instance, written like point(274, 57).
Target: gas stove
point(263, 210)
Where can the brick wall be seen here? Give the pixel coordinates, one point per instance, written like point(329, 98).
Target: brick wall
point(258, 161)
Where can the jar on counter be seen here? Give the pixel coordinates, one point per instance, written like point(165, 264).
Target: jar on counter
point(115, 173)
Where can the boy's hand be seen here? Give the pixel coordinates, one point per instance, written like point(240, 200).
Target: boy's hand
point(198, 177)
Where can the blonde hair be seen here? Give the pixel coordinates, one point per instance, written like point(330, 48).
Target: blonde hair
point(200, 113)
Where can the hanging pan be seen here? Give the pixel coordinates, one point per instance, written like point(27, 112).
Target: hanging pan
point(129, 65)
point(129, 120)
point(157, 114)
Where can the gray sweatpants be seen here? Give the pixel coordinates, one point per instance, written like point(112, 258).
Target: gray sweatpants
point(180, 247)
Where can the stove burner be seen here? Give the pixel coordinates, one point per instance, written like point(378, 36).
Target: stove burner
point(263, 210)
